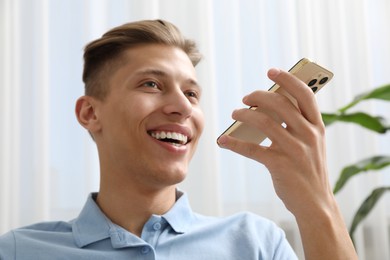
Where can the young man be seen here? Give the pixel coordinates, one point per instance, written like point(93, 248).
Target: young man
point(141, 106)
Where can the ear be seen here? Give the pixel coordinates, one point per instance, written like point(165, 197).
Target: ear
point(86, 113)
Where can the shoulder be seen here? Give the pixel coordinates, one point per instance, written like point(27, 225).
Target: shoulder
point(246, 225)
point(263, 230)
point(245, 231)
point(7, 245)
point(240, 220)
point(52, 227)
point(44, 228)
point(34, 235)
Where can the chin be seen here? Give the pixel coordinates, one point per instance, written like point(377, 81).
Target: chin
point(172, 177)
point(177, 177)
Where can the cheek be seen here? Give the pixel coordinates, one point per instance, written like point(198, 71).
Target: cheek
point(198, 119)
point(138, 112)
point(124, 114)
point(138, 109)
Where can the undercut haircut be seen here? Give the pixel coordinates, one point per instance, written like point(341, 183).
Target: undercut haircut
point(104, 55)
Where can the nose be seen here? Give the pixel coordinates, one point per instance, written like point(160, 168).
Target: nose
point(177, 104)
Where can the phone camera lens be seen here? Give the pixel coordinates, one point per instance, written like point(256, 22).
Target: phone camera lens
point(312, 82)
point(323, 80)
point(314, 89)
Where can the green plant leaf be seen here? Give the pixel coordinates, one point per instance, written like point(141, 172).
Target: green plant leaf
point(377, 124)
point(382, 93)
point(366, 207)
point(373, 163)
point(329, 118)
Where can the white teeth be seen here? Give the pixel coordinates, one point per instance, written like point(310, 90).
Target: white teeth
point(180, 138)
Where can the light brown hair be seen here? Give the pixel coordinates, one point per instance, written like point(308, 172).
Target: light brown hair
point(103, 55)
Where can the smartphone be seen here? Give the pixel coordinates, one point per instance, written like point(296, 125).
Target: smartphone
point(314, 75)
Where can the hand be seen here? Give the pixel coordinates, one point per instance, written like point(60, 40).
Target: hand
point(296, 160)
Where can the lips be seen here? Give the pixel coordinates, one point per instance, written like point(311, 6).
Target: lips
point(175, 138)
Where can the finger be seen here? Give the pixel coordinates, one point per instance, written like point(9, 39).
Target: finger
point(265, 121)
point(283, 110)
point(250, 150)
point(298, 89)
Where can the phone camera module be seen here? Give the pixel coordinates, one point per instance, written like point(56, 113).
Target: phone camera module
point(323, 80)
point(312, 82)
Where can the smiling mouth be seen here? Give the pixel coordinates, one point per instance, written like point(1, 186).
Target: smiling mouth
point(174, 138)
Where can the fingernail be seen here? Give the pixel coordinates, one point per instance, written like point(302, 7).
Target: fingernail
point(234, 111)
point(273, 72)
point(222, 140)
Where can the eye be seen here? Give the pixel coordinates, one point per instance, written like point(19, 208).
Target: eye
point(192, 94)
point(150, 84)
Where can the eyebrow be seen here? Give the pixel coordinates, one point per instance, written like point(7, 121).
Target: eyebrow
point(163, 74)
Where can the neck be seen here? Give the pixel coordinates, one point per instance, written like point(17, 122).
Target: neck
point(130, 206)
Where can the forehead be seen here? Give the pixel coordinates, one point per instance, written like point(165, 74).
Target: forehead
point(155, 60)
point(158, 55)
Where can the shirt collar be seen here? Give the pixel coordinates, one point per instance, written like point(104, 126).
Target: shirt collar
point(180, 216)
point(92, 225)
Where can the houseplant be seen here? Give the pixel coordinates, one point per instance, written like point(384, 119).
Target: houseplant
point(376, 124)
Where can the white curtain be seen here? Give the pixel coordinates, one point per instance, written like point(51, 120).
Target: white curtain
point(48, 164)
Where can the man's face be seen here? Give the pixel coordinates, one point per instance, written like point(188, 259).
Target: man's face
point(151, 119)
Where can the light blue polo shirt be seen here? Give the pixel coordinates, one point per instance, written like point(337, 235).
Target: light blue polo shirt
point(178, 234)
